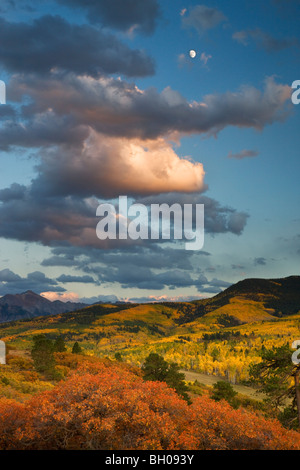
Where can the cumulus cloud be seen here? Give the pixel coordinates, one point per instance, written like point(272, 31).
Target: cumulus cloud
point(107, 167)
point(37, 48)
point(123, 15)
point(202, 18)
point(243, 154)
point(104, 137)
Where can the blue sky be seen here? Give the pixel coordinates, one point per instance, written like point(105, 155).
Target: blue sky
point(91, 83)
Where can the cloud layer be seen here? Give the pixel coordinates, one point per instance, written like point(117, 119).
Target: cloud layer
point(37, 47)
point(63, 108)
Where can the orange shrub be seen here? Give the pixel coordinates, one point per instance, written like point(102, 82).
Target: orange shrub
point(106, 406)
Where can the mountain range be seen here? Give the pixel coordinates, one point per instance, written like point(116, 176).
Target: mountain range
point(29, 304)
point(262, 298)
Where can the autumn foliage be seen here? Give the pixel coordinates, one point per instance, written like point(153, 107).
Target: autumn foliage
point(108, 406)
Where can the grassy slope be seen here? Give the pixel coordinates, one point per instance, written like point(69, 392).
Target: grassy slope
point(244, 310)
point(107, 325)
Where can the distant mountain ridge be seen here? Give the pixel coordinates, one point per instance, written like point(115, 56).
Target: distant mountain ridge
point(29, 305)
point(276, 297)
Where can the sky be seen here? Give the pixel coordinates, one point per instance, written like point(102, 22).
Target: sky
point(104, 99)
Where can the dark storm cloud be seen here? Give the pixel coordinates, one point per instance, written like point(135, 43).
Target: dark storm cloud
point(143, 267)
point(264, 40)
point(154, 257)
point(144, 278)
point(14, 192)
point(27, 215)
point(51, 42)
point(6, 111)
point(120, 14)
point(203, 18)
point(94, 261)
point(42, 131)
point(59, 261)
point(69, 278)
point(36, 281)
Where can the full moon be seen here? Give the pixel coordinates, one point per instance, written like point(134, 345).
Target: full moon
point(192, 54)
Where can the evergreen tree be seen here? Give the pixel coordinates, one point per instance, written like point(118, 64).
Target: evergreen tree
point(223, 391)
point(278, 378)
point(76, 348)
point(43, 354)
point(59, 345)
point(176, 380)
point(118, 357)
point(156, 368)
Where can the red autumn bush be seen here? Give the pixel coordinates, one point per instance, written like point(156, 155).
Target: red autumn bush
point(106, 406)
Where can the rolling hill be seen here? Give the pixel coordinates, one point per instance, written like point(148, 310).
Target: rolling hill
point(277, 297)
point(217, 336)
